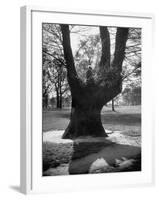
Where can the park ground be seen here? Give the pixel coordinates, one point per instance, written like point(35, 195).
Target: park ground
point(59, 158)
point(126, 119)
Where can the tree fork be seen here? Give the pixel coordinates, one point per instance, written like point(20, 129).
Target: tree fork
point(87, 103)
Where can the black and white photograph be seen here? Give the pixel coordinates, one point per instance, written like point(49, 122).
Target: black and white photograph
point(91, 99)
point(79, 100)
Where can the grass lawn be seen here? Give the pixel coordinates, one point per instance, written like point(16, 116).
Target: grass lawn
point(126, 119)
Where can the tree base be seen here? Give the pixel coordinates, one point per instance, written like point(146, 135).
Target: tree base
point(84, 123)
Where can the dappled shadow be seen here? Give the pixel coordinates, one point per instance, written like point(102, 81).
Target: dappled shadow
point(86, 154)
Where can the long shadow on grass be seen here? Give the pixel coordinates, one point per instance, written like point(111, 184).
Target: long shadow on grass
point(81, 155)
point(85, 154)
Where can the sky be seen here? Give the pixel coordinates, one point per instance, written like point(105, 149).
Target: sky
point(80, 32)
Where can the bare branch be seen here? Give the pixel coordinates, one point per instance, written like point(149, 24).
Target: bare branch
point(105, 40)
point(71, 70)
point(59, 60)
point(120, 44)
point(127, 75)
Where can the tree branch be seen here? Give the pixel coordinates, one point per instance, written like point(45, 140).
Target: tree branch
point(120, 44)
point(58, 60)
point(105, 40)
point(71, 71)
point(127, 75)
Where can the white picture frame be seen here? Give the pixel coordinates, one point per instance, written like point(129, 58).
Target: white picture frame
point(31, 117)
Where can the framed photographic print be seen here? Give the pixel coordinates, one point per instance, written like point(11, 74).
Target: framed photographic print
point(86, 116)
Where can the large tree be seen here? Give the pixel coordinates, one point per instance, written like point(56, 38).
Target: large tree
point(88, 98)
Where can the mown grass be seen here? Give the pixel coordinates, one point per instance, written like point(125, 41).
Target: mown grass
point(126, 119)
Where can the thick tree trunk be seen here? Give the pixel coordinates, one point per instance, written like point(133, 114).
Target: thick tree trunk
point(85, 122)
point(87, 103)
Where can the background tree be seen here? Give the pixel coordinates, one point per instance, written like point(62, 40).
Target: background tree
point(54, 71)
point(132, 95)
point(131, 67)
